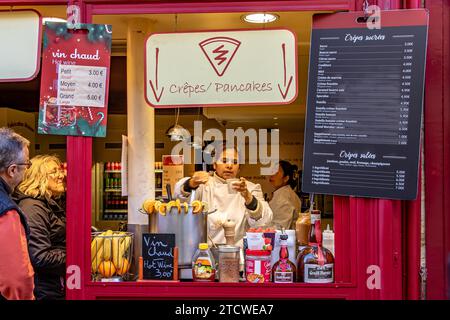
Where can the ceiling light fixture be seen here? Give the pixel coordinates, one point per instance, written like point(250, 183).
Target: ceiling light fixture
point(260, 17)
point(52, 19)
point(177, 132)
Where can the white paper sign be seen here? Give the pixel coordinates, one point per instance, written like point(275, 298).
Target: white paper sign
point(226, 68)
point(82, 86)
point(173, 171)
point(20, 45)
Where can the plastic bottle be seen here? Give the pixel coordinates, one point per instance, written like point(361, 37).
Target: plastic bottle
point(203, 264)
point(328, 239)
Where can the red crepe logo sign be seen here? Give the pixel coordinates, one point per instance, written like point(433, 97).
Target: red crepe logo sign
point(220, 51)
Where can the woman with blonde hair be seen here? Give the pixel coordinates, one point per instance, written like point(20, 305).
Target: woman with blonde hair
point(39, 196)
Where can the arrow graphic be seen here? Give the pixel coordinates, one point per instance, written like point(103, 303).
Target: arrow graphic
point(155, 91)
point(284, 94)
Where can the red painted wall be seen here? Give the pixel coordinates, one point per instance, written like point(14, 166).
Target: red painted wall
point(437, 147)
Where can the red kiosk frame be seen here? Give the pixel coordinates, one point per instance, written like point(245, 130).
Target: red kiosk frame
point(369, 232)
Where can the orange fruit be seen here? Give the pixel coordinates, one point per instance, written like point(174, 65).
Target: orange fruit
point(107, 269)
point(121, 270)
point(178, 204)
point(148, 206)
point(170, 205)
point(162, 209)
point(196, 206)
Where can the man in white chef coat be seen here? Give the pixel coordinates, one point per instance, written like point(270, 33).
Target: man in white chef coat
point(247, 207)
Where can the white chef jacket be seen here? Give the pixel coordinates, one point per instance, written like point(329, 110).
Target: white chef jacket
point(285, 205)
point(229, 206)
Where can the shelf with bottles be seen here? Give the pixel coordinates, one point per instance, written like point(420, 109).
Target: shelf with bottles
point(158, 166)
point(115, 217)
point(113, 201)
point(113, 190)
point(158, 183)
point(116, 211)
point(113, 182)
point(113, 167)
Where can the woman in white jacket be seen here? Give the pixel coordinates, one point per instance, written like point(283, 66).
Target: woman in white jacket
point(285, 203)
point(247, 207)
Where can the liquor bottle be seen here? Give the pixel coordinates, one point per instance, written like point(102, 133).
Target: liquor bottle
point(315, 215)
point(108, 166)
point(110, 202)
point(315, 264)
point(113, 202)
point(283, 270)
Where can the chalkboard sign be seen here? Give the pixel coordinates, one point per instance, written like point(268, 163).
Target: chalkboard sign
point(158, 256)
point(364, 106)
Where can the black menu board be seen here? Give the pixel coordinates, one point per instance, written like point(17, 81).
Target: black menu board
point(157, 254)
point(364, 106)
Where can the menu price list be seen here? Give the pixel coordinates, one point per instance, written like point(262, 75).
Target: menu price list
point(364, 111)
point(81, 86)
point(389, 180)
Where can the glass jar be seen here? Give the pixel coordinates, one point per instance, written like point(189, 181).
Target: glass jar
point(302, 228)
point(229, 264)
point(257, 266)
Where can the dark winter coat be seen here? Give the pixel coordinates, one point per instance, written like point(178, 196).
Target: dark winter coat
point(47, 244)
point(7, 204)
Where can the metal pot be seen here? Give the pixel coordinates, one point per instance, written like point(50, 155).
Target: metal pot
point(189, 230)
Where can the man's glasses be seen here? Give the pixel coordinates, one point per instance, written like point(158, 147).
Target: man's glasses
point(27, 164)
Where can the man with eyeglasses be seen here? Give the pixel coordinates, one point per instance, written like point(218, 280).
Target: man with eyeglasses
point(16, 271)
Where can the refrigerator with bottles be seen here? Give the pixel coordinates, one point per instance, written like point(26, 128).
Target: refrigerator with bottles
point(110, 208)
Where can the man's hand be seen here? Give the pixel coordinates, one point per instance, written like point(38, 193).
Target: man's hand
point(241, 187)
point(198, 178)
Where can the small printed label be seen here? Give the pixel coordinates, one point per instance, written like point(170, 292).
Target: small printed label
point(319, 274)
point(283, 277)
point(257, 271)
point(314, 218)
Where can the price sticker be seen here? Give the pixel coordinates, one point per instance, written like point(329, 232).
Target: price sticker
point(82, 86)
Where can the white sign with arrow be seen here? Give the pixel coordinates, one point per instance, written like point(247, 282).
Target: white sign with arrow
point(221, 68)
